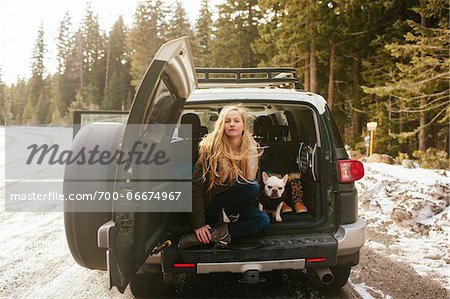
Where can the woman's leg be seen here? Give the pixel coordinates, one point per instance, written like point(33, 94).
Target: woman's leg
point(235, 200)
point(244, 197)
point(251, 221)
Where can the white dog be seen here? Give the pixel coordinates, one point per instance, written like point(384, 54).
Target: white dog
point(272, 199)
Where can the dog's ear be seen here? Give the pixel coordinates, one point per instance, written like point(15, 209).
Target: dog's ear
point(285, 179)
point(265, 177)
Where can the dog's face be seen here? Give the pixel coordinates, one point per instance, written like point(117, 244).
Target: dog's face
point(273, 186)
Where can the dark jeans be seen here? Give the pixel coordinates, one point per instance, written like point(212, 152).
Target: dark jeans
point(239, 199)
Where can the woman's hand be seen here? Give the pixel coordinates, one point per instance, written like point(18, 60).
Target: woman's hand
point(203, 234)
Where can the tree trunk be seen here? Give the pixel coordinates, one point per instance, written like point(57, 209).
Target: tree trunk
point(356, 119)
point(422, 129)
point(423, 117)
point(108, 55)
point(447, 139)
point(312, 49)
point(389, 120)
point(331, 71)
point(313, 68)
point(307, 84)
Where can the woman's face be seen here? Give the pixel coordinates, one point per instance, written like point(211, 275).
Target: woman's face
point(234, 124)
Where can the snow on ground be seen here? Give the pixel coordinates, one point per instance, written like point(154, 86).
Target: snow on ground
point(409, 209)
point(366, 291)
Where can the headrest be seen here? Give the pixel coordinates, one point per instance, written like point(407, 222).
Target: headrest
point(262, 126)
point(197, 130)
point(190, 118)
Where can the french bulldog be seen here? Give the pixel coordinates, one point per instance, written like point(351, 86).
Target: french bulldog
point(272, 200)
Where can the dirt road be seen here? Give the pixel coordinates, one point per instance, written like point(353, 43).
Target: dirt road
point(35, 262)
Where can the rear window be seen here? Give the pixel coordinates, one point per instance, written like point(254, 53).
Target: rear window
point(269, 123)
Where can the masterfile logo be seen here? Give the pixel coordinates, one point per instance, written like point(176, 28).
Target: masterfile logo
point(139, 168)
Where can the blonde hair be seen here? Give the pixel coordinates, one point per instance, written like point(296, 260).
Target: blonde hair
point(220, 164)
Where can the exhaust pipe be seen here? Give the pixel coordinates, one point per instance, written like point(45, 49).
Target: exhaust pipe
point(325, 275)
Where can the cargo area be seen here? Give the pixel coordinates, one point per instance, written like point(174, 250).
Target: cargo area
point(289, 136)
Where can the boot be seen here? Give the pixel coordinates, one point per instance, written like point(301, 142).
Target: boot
point(297, 196)
point(219, 235)
point(285, 208)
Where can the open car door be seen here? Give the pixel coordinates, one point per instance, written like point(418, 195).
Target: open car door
point(160, 98)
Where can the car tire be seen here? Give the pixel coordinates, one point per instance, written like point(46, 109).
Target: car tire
point(81, 227)
point(147, 285)
point(341, 275)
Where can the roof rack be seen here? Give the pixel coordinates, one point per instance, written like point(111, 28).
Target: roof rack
point(276, 77)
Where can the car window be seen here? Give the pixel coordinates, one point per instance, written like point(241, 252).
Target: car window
point(164, 106)
point(337, 139)
point(268, 123)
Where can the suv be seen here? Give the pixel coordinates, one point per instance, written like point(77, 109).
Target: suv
point(298, 133)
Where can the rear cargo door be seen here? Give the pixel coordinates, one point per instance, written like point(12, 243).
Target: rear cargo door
point(167, 84)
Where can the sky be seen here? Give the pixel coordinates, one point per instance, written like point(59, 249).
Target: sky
point(20, 20)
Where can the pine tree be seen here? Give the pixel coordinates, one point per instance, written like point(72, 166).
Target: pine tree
point(178, 23)
point(43, 112)
point(407, 79)
point(19, 95)
point(37, 66)
point(72, 79)
point(289, 37)
point(64, 47)
point(64, 43)
point(37, 72)
point(117, 83)
point(5, 103)
point(117, 91)
point(203, 36)
point(28, 114)
point(146, 37)
point(93, 56)
point(268, 44)
point(237, 29)
point(420, 81)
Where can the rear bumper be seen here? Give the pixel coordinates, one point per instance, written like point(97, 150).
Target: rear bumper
point(242, 267)
point(278, 252)
point(350, 237)
point(277, 255)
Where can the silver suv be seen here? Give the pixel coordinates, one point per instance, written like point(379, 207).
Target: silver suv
point(299, 135)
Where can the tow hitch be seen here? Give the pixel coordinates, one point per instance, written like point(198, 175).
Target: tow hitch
point(251, 277)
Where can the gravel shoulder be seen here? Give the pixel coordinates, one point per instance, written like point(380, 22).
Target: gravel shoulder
point(383, 277)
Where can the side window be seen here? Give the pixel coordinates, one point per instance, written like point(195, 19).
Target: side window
point(304, 120)
point(337, 139)
point(164, 106)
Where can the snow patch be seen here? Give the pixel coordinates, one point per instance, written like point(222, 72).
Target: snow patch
point(365, 291)
point(413, 207)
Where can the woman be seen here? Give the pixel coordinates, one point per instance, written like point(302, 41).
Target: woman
point(224, 181)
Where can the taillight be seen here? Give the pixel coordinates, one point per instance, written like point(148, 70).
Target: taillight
point(316, 259)
point(183, 265)
point(350, 171)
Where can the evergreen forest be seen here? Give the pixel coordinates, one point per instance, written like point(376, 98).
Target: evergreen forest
point(384, 61)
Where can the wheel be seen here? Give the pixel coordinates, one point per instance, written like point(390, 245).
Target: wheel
point(147, 285)
point(341, 275)
point(81, 227)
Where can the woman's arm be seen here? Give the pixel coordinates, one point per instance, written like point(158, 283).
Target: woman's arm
point(253, 165)
point(198, 215)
